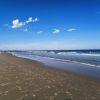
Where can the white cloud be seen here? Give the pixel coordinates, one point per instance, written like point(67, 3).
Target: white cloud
point(39, 32)
point(30, 19)
point(56, 30)
point(17, 24)
point(71, 29)
point(35, 20)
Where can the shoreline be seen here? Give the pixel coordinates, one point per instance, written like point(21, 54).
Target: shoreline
point(54, 68)
point(25, 79)
point(68, 66)
point(73, 61)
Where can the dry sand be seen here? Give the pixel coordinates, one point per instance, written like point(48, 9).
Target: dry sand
point(23, 79)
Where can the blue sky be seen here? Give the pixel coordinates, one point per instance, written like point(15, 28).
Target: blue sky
point(49, 24)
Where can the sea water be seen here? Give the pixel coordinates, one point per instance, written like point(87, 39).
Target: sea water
point(82, 61)
point(91, 57)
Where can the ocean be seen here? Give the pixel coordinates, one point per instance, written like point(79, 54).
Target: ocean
point(91, 57)
point(81, 61)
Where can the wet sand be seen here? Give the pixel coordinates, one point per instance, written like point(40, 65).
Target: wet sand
point(23, 79)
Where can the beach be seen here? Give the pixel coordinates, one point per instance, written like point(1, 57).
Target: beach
point(24, 79)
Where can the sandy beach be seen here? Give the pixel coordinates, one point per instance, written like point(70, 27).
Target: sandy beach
point(23, 79)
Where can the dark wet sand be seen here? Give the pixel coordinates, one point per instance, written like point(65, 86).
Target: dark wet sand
point(23, 79)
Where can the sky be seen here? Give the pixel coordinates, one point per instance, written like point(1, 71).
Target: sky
point(49, 24)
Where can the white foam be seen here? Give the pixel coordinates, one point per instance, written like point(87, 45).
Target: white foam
point(75, 53)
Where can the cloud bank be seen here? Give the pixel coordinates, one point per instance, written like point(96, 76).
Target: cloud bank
point(44, 46)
